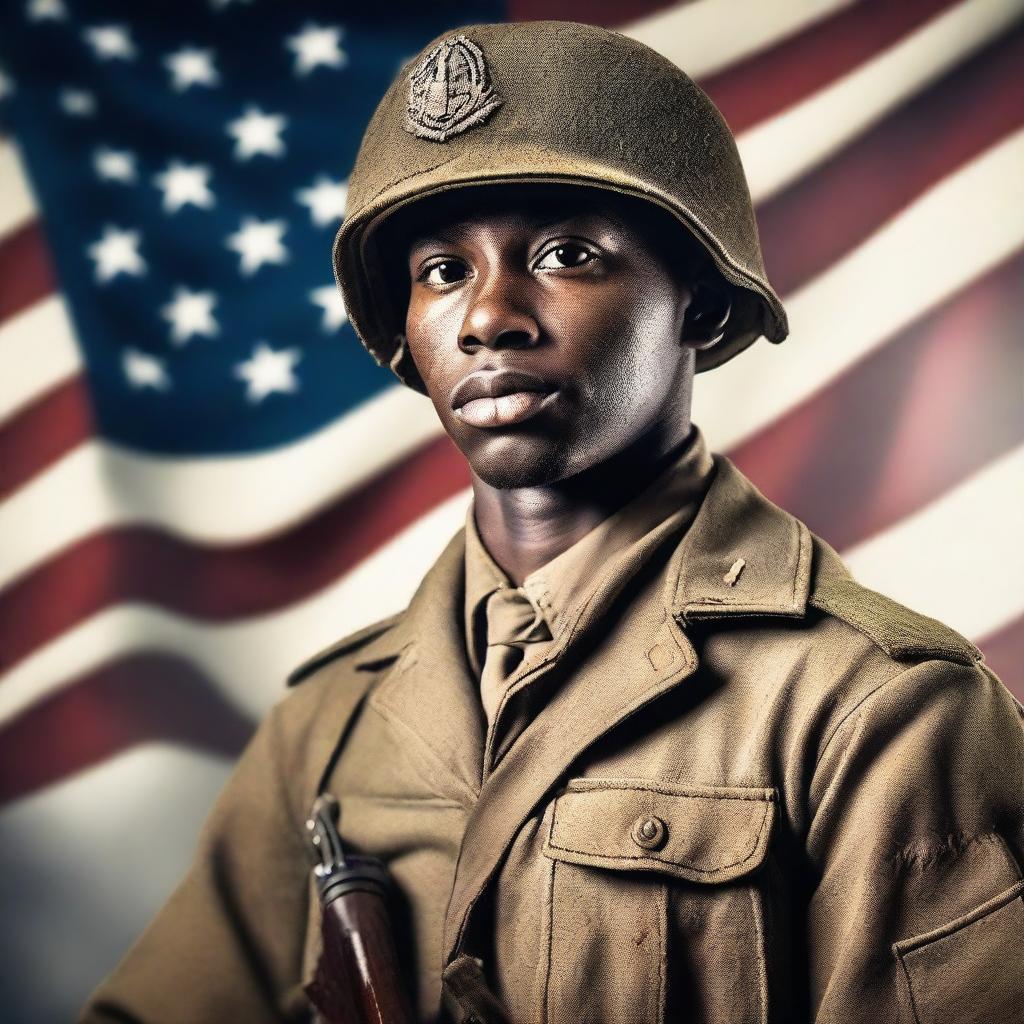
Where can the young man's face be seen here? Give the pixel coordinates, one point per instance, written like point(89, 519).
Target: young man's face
point(547, 330)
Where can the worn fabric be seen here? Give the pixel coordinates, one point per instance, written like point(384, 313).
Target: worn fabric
point(749, 795)
point(579, 105)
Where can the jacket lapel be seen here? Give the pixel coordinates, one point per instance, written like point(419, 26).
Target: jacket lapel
point(648, 655)
point(429, 693)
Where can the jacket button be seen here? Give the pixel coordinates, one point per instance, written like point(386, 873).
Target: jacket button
point(649, 833)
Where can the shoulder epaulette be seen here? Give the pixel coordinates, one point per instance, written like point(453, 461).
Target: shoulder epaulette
point(902, 633)
point(346, 645)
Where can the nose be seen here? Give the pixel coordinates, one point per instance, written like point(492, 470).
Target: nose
point(499, 315)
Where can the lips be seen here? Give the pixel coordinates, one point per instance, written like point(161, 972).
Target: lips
point(494, 398)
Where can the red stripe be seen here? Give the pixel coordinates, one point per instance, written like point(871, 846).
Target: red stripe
point(828, 213)
point(216, 583)
point(26, 272)
point(42, 432)
point(907, 422)
point(144, 698)
point(771, 81)
point(1004, 653)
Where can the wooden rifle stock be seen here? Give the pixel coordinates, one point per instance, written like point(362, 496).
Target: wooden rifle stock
point(357, 979)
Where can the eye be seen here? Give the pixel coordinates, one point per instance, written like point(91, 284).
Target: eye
point(442, 272)
point(565, 256)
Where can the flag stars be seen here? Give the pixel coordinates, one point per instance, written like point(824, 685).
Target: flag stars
point(257, 133)
point(46, 10)
point(110, 42)
point(325, 199)
point(115, 165)
point(182, 184)
point(258, 242)
point(142, 370)
point(317, 46)
point(191, 66)
point(329, 299)
point(77, 102)
point(117, 252)
point(191, 313)
point(268, 370)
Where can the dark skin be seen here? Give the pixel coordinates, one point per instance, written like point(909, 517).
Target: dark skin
point(600, 305)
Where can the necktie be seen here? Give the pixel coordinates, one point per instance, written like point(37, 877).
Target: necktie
point(513, 623)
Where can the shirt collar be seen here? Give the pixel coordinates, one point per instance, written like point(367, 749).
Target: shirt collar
point(560, 588)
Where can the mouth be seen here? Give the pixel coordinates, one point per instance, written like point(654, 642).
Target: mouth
point(498, 398)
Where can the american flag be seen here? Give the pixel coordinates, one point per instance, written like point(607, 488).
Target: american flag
point(203, 477)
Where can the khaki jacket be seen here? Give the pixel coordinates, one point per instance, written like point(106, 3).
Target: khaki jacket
point(782, 799)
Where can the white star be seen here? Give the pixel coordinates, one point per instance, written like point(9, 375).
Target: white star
point(190, 313)
point(144, 370)
point(110, 42)
point(268, 370)
point(316, 45)
point(117, 252)
point(258, 242)
point(183, 184)
point(115, 165)
point(190, 66)
point(77, 102)
point(46, 10)
point(256, 132)
point(329, 299)
point(325, 199)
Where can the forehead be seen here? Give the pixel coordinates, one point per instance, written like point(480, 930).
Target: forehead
point(459, 211)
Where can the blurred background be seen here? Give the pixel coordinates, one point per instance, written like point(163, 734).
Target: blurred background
point(204, 478)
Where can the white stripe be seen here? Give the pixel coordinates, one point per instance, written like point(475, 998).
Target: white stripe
point(960, 558)
point(100, 850)
point(37, 352)
point(17, 207)
point(709, 35)
point(780, 150)
point(215, 500)
point(961, 228)
point(250, 659)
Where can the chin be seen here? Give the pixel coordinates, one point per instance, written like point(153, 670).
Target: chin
point(515, 463)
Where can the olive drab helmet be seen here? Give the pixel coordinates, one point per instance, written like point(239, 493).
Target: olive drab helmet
point(550, 102)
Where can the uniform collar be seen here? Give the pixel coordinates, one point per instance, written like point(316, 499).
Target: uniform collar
point(560, 588)
point(735, 521)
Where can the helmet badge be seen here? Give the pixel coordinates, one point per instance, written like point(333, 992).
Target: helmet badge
point(450, 91)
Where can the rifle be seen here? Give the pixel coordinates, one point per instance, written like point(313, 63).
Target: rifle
point(357, 980)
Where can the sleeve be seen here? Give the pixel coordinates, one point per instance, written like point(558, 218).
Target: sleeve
point(917, 837)
point(228, 943)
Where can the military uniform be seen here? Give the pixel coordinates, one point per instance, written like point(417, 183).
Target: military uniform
point(782, 798)
point(725, 783)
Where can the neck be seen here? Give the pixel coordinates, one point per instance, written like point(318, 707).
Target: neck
point(524, 528)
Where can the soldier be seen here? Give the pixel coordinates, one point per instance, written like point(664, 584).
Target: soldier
point(639, 749)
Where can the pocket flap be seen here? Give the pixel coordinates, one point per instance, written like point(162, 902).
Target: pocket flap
point(698, 833)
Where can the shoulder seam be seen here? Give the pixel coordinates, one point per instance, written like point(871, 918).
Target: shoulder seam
point(346, 645)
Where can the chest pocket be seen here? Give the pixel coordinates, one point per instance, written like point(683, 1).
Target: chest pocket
point(655, 913)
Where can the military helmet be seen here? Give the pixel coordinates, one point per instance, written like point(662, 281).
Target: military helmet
point(550, 102)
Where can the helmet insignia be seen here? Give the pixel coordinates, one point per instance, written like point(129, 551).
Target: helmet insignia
point(450, 91)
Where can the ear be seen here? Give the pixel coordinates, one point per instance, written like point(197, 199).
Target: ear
point(707, 314)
